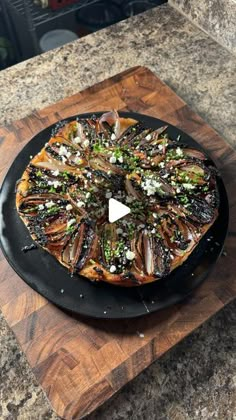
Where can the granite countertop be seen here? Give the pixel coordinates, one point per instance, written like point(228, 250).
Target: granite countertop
point(197, 378)
point(216, 17)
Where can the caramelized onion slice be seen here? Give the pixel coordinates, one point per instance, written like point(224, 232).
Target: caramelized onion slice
point(31, 203)
point(179, 234)
point(52, 165)
point(137, 248)
point(110, 122)
point(130, 133)
point(194, 153)
point(152, 137)
point(80, 247)
point(133, 188)
point(99, 163)
point(156, 255)
point(200, 211)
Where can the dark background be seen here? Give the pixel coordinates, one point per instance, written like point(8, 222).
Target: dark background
point(23, 23)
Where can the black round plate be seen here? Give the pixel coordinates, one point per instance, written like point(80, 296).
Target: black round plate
point(77, 294)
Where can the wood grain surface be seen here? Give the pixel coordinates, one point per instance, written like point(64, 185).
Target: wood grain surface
point(81, 363)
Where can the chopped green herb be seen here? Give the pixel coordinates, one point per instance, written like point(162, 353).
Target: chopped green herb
point(70, 229)
point(65, 174)
point(183, 199)
point(53, 210)
point(117, 153)
point(119, 248)
point(97, 147)
point(52, 190)
point(107, 251)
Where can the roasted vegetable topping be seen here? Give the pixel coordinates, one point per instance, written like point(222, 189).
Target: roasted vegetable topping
point(170, 189)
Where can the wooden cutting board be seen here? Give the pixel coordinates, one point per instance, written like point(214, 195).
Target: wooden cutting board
point(80, 363)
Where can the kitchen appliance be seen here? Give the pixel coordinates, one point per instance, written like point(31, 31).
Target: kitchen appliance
point(134, 7)
point(99, 15)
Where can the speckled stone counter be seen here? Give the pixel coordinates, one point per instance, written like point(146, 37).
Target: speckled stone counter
point(196, 379)
point(198, 69)
point(216, 17)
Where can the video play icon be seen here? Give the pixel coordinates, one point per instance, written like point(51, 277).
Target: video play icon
point(117, 210)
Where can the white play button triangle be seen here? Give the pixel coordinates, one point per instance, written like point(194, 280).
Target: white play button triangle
point(117, 210)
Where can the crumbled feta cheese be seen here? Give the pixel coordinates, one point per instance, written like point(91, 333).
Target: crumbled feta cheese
point(154, 215)
point(160, 147)
point(80, 203)
point(165, 176)
point(113, 137)
point(71, 222)
point(148, 137)
point(153, 230)
point(107, 144)
point(130, 255)
point(161, 164)
point(63, 159)
point(108, 195)
point(178, 190)
point(119, 231)
point(69, 207)
point(55, 184)
point(179, 151)
point(62, 150)
point(86, 143)
point(141, 335)
point(129, 199)
point(56, 172)
point(120, 159)
point(77, 140)
point(88, 194)
point(151, 186)
point(188, 186)
point(49, 204)
point(77, 154)
point(112, 268)
point(40, 206)
point(112, 159)
point(142, 226)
